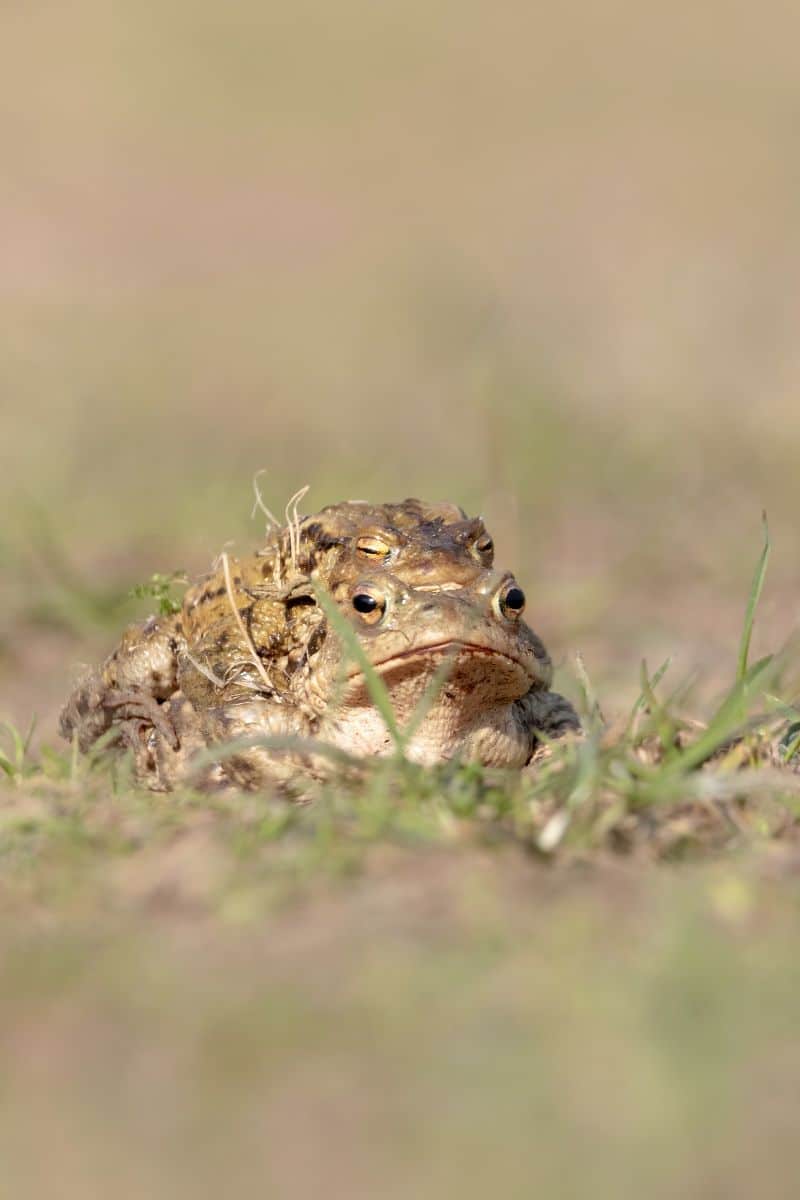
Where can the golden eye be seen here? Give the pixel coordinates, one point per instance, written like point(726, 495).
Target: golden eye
point(511, 601)
point(485, 546)
point(369, 606)
point(372, 547)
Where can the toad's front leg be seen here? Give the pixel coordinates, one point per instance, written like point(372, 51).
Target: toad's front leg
point(546, 716)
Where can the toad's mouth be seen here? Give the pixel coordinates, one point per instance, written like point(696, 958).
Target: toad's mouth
point(467, 666)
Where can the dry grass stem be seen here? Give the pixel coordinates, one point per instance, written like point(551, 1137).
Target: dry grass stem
point(293, 523)
point(237, 616)
point(209, 674)
point(259, 501)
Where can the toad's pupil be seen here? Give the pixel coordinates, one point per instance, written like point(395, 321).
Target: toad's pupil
point(515, 599)
point(364, 604)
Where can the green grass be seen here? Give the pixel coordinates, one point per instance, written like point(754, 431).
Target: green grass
point(406, 988)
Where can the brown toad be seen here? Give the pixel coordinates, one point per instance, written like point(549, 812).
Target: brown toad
point(233, 623)
point(491, 704)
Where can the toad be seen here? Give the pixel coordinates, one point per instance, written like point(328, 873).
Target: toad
point(232, 623)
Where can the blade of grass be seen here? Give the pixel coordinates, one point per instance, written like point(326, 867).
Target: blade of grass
point(661, 720)
point(752, 603)
point(727, 722)
point(285, 745)
point(375, 685)
point(648, 690)
point(594, 714)
point(13, 764)
point(26, 745)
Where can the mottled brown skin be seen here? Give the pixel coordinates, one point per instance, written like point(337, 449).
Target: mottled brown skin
point(129, 689)
point(429, 545)
point(252, 655)
point(491, 707)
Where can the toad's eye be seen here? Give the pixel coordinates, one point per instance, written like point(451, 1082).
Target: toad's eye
point(372, 547)
point(370, 608)
point(484, 546)
point(511, 601)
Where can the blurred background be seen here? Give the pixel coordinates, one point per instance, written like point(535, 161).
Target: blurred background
point(542, 262)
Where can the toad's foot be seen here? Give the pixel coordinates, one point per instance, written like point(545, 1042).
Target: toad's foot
point(145, 710)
